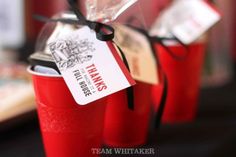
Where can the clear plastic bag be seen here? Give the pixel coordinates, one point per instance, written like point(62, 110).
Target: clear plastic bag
point(106, 10)
point(97, 10)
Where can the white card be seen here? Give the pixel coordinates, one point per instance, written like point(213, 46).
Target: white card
point(194, 21)
point(139, 54)
point(92, 69)
point(187, 20)
point(12, 23)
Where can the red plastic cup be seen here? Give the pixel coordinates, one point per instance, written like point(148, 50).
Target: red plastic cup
point(183, 82)
point(124, 127)
point(68, 130)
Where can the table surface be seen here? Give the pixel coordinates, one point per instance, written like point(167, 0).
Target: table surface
point(213, 134)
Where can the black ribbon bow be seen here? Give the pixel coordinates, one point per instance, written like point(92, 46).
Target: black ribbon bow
point(103, 32)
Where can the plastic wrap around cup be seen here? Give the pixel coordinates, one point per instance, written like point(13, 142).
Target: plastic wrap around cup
point(124, 127)
point(68, 130)
point(183, 82)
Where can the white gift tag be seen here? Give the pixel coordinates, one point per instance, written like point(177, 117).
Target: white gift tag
point(196, 17)
point(92, 69)
point(187, 20)
point(138, 52)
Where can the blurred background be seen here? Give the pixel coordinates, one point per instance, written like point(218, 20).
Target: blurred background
point(212, 134)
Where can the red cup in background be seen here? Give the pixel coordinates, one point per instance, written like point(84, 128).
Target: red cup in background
point(68, 129)
point(124, 127)
point(183, 82)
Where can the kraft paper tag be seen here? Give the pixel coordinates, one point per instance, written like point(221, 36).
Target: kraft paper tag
point(138, 52)
point(92, 69)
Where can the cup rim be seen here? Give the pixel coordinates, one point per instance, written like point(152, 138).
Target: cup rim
point(29, 69)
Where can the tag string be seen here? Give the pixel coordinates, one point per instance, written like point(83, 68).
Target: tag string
point(103, 33)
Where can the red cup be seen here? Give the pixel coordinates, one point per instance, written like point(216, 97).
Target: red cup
point(124, 127)
point(68, 130)
point(183, 82)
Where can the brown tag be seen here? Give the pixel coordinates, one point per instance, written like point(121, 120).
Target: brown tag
point(138, 52)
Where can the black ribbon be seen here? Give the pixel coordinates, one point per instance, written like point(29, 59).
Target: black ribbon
point(160, 40)
point(130, 90)
point(165, 79)
point(162, 104)
point(103, 32)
